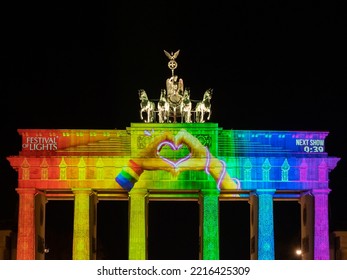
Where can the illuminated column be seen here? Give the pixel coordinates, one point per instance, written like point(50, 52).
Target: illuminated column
point(321, 224)
point(265, 225)
point(210, 224)
point(81, 234)
point(40, 225)
point(93, 214)
point(26, 224)
point(253, 201)
point(307, 224)
point(138, 224)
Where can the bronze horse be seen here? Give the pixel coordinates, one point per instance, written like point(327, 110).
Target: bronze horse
point(147, 107)
point(204, 107)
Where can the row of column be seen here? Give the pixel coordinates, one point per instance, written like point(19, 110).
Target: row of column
point(314, 224)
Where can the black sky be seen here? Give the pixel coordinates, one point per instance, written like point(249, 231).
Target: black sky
point(273, 65)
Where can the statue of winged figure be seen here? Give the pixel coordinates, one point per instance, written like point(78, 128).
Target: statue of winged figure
point(173, 55)
point(175, 89)
point(172, 63)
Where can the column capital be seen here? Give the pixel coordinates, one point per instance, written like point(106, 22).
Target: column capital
point(210, 192)
point(265, 191)
point(320, 191)
point(82, 190)
point(138, 192)
point(26, 190)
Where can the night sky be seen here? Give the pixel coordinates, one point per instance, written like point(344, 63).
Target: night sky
point(273, 65)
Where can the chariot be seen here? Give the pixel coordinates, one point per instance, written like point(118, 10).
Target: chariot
point(174, 102)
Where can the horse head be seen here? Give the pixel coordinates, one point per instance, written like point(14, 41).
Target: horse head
point(142, 94)
point(186, 94)
point(163, 94)
point(208, 94)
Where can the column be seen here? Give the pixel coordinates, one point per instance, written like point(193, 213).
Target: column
point(307, 226)
point(266, 249)
point(321, 224)
point(81, 233)
point(209, 209)
point(138, 224)
point(93, 214)
point(26, 224)
point(253, 201)
point(40, 225)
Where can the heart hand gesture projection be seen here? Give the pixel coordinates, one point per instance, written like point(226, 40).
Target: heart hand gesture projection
point(197, 158)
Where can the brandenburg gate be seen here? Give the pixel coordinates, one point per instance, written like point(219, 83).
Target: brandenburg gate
point(88, 165)
point(182, 156)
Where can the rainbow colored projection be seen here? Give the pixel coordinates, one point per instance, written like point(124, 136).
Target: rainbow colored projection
point(198, 158)
point(130, 175)
point(173, 161)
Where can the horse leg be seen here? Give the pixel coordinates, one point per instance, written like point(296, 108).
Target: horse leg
point(189, 117)
point(146, 120)
point(149, 113)
point(174, 114)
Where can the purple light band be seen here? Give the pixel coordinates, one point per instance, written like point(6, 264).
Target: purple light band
point(208, 159)
point(173, 147)
point(238, 183)
point(175, 164)
point(221, 177)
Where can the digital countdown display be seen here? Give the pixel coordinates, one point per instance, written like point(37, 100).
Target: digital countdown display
point(311, 145)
